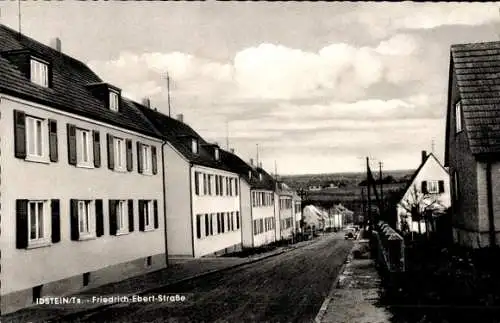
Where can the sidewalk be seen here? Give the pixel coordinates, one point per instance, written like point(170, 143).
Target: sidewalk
point(355, 292)
point(179, 270)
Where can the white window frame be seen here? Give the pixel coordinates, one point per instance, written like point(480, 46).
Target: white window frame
point(434, 185)
point(147, 160)
point(122, 217)
point(216, 154)
point(44, 238)
point(149, 218)
point(114, 101)
point(458, 117)
point(120, 154)
point(87, 218)
point(38, 139)
point(39, 72)
point(194, 146)
point(81, 134)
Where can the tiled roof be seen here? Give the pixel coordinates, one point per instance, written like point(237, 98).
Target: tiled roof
point(241, 167)
point(477, 71)
point(69, 91)
point(176, 132)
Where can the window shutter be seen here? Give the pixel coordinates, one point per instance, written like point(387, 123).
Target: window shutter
point(154, 162)
point(198, 226)
point(424, 187)
point(155, 208)
point(128, 144)
point(196, 183)
point(111, 152)
point(140, 162)
point(441, 186)
point(21, 224)
point(19, 134)
point(97, 148)
point(130, 214)
point(53, 152)
point(56, 221)
point(71, 129)
point(141, 215)
point(99, 218)
point(237, 220)
point(112, 217)
point(73, 212)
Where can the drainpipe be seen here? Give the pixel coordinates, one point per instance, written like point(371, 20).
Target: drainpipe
point(164, 200)
point(491, 216)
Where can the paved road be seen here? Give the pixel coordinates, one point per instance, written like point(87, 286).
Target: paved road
point(287, 288)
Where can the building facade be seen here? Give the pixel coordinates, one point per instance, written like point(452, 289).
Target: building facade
point(69, 158)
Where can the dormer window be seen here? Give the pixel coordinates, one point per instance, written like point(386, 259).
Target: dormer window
point(458, 116)
point(260, 176)
point(216, 154)
point(194, 146)
point(114, 100)
point(39, 72)
point(249, 174)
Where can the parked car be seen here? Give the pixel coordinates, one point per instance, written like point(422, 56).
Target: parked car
point(350, 233)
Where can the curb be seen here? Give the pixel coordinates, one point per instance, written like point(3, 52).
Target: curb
point(79, 313)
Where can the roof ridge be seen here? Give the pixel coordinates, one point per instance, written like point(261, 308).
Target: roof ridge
point(458, 45)
point(66, 56)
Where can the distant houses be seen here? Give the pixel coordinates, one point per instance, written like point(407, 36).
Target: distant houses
point(472, 147)
point(96, 188)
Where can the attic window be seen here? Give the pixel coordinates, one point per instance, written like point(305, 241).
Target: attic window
point(216, 154)
point(39, 72)
point(194, 146)
point(260, 176)
point(113, 101)
point(249, 174)
point(458, 116)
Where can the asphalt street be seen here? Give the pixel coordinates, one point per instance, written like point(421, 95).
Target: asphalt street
point(289, 287)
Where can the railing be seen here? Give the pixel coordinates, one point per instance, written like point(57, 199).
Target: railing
point(390, 248)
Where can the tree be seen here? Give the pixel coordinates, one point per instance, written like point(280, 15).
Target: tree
point(421, 206)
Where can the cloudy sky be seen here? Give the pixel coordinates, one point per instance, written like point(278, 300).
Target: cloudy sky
point(317, 86)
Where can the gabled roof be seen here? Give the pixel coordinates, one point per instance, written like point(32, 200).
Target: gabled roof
point(176, 132)
point(476, 67)
point(241, 167)
point(415, 174)
point(69, 91)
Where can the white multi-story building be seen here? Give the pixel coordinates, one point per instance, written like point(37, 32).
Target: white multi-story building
point(81, 187)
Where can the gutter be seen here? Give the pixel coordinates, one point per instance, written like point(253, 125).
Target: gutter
point(191, 206)
point(164, 200)
point(491, 216)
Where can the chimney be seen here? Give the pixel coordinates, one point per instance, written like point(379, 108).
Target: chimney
point(231, 150)
point(180, 117)
point(146, 102)
point(251, 162)
point(56, 44)
point(424, 155)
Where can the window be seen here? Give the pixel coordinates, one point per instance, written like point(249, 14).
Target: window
point(38, 223)
point(121, 217)
point(146, 159)
point(209, 184)
point(39, 73)
point(35, 137)
point(194, 146)
point(458, 116)
point(205, 184)
point(84, 148)
point(147, 209)
point(432, 187)
point(120, 154)
point(114, 101)
point(86, 223)
point(237, 220)
point(216, 154)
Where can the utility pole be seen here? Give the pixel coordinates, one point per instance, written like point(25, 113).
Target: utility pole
point(432, 146)
point(369, 193)
point(168, 93)
point(19, 13)
point(381, 190)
